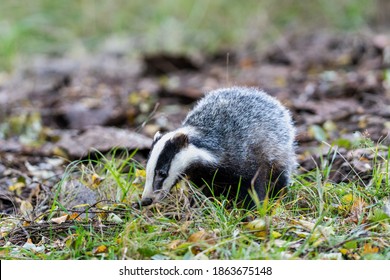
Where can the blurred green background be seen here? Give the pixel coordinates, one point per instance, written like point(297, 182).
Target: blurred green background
point(57, 26)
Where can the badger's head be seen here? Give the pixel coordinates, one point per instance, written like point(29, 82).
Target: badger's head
point(171, 156)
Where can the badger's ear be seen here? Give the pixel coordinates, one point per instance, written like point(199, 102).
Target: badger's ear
point(180, 140)
point(157, 136)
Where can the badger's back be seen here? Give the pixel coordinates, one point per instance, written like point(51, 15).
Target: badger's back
point(247, 128)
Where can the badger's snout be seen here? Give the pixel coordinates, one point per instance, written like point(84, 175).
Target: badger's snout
point(146, 201)
point(143, 202)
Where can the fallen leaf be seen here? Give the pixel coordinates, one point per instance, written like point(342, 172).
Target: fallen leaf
point(69, 241)
point(100, 249)
point(321, 234)
point(309, 226)
point(369, 249)
point(96, 180)
point(330, 256)
point(140, 173)
point(60, 220)
point(347, 199)
point(201, 236)
point(26, 209)
point(200, 256)
point(318, 234)
point(102, 215)
point(197, 236)
point(353, 244)
point(257, 225)
point(30, 246)
point(260, 229)
point(301, 234)
point(261, 234)
point(358, 211)
point(344, 251)
point(174, 244)
point(17, 187)
point(74, 216)
point(276, 234)
point(114, 218)
point(81, 206)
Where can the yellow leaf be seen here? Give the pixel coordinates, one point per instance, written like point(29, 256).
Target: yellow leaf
point(369, 249)
point(60, 220)
point(318, 242)
point(81, 206)
point(17, 188)
point(258, 225)
point(276, 234)
point(321, 234)
point(347, 199)
point(134, 98)
point(202, 235)
point(100, 249)
point(197, 236)
point(344, 251)
point(74, 216)
point(140, 173)
point(261, 234)
point(69, 240)
point(96, 180)
point(60, 152)
point(301, 234)
point(26, 209)
point(102, 215)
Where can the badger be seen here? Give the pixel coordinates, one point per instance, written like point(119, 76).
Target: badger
point(238, 141)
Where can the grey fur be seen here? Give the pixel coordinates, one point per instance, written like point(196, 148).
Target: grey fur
point(250, 133)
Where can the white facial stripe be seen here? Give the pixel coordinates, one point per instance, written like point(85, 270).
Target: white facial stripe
point(151, 165)
point(152, 162)
point(182, 160)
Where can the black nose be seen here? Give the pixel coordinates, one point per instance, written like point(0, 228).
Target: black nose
point(146, 201)
point(143, 202)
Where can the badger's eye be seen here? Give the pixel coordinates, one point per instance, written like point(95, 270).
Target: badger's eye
point(162, 174)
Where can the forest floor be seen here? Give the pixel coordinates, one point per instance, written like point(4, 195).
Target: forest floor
point(69, 126)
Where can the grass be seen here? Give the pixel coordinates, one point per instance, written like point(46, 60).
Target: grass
point(316, 219)
point(54, 27)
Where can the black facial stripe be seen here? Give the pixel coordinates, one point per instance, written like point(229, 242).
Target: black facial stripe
point(166, 156)
point(164, 162)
